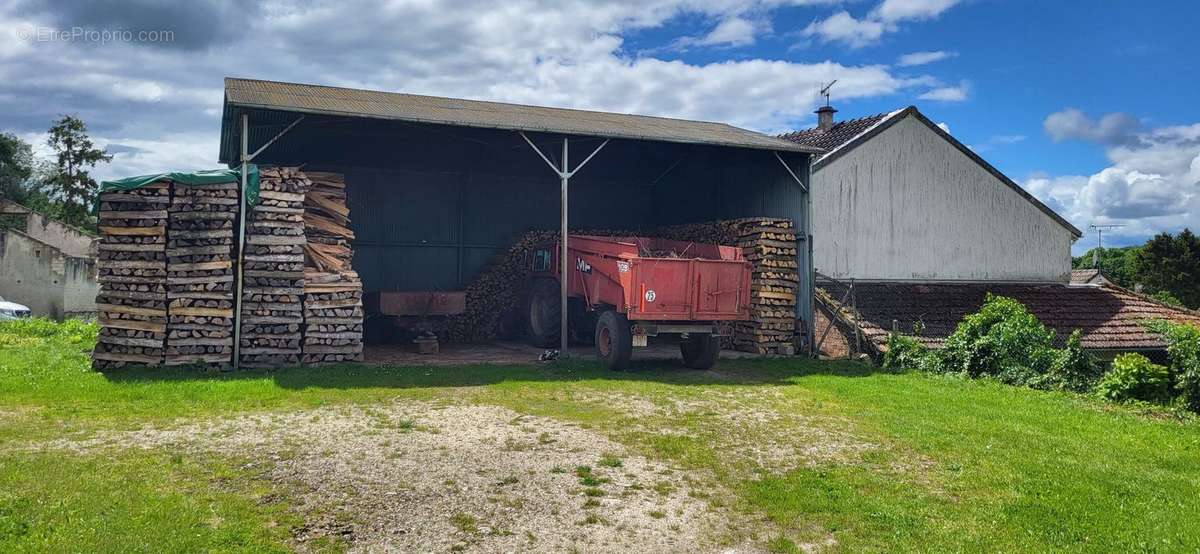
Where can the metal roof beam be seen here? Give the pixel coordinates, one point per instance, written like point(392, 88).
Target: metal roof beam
point(803, 187)
point(245, 128)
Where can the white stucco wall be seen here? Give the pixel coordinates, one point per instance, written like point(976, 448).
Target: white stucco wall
point(908, 205)
point(70, 240)
point(51, 283)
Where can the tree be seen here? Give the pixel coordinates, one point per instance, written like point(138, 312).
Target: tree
point(16, 166)
point(1171, 263)
point(22, 176)
point(70, 182)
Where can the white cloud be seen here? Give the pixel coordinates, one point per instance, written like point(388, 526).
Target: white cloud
point(1151, 185)
point(1071, 123)
point(1007, 139)
point(943, 126)
point(164, 100)
point(842, 27)
point(734, 31)
point(901, 10)
point(947, 94)
point(922, 58)
point(886, 17)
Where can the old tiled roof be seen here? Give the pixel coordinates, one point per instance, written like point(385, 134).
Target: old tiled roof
point(841, 132)
point(1082, 276)
point(1088, 276)
point(1109, 317)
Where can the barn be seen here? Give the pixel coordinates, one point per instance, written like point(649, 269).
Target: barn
point(438, 187)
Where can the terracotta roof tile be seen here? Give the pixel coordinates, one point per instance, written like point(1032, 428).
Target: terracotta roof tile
point(1108, 316)
point(841, 132)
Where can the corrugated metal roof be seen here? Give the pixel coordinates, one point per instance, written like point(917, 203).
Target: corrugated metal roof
point(294, 97)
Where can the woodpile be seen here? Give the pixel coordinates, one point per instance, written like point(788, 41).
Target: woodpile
point(769, 244)
point(200, 273)
point(132, 271)
point(495, 291)
point(333, 310)
point(273, 271)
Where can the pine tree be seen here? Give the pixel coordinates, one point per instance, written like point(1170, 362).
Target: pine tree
point(74, 156)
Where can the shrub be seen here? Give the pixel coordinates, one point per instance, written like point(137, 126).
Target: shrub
point(1133, 376)
point(1002, 340)
point(1183, 347)
point(904, 352)
point(1073, 369)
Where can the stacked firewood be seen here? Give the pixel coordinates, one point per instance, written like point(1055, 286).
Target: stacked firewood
point(495, 291)
point(132, 303)
point(200, 250)
point(769, 244)
point(333, 311)
point(273, 274)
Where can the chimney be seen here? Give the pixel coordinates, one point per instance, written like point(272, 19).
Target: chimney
point(825, 117)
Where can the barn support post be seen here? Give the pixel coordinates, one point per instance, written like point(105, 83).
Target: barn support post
point(564, 174)
point(805, 310)
point(562, 256)
point(246, 158)
point(810, 288)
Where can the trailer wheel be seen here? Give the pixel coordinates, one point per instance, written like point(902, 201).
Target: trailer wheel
point(614, 340)
point(543, 308)
point(700, 350)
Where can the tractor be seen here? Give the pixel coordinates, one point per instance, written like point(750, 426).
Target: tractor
point(623, 290)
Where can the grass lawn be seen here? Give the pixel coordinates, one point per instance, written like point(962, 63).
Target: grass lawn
point(835, 456)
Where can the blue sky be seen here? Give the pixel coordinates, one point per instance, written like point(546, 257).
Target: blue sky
point(1089, 105)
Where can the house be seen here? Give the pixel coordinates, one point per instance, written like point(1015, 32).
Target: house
point(912, 229)
point(45, 264)
point(896, 197)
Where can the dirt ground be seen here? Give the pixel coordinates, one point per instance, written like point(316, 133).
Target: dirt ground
point(508, 352)
point(420, 477)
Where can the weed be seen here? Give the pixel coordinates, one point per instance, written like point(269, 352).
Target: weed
point(609, 460)
point(465, 522)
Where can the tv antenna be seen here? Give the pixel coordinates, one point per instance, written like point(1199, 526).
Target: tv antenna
point(1100, 229)
point(825, 90)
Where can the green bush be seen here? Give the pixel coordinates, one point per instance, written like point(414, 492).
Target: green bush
point(1003, 341)
point(1132, 376)
point(903, 353)
point(1073, 369)
point(1183, 346)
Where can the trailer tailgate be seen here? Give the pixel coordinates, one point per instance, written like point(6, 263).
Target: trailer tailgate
point(673, 289)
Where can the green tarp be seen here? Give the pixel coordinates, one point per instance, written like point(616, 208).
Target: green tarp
point(206, 177)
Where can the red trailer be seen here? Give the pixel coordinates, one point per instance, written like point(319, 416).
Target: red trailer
point(622, 290)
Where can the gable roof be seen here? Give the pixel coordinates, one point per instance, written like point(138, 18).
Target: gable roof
point(841, 138)
point(1088, 276)
point(841, 132)
point(1109, 317)
point(345, 102)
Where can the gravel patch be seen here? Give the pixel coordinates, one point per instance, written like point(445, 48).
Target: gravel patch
point(422, 477)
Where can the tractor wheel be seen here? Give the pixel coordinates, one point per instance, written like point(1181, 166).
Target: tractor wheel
point(543, 308)
point(700, 350)
point(614, 340)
